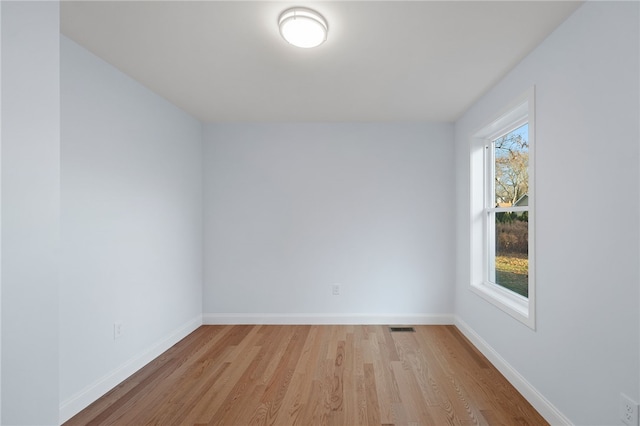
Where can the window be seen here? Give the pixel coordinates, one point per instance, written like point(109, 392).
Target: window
point(502, 207)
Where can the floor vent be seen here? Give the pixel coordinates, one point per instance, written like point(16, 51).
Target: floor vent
point(402, 329)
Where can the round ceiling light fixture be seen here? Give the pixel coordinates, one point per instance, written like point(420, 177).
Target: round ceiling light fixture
point(303, 27)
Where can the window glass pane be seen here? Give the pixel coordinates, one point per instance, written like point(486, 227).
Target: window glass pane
point(511, 168)
point(510, 259)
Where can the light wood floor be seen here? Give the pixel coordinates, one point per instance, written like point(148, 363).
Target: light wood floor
point(315, 375)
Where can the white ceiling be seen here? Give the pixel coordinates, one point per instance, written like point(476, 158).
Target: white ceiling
point(382, 61)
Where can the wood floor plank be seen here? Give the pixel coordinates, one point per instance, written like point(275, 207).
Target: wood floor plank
point(294, 401)
point(350, 385)
point(214, 396)
point(414, 405)
point(276, 388)
point(315, 375)
point(449, 377)
point(371, 395)
point(488, 388)
point(419, 378)
point(388, 393)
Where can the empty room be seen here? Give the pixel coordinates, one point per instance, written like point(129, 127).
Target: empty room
point(331, 212)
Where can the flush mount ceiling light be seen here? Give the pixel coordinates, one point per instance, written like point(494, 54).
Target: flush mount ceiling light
point(303, 27)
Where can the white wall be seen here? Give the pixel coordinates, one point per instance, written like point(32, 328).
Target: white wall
point(0, 212)
point(30, 211)
point(585, 349)
point(292, 208)
point(131, 199)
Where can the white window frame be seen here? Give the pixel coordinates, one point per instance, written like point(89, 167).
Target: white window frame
point(519, 112)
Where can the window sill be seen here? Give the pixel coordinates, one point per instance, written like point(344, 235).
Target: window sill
point(513, 304)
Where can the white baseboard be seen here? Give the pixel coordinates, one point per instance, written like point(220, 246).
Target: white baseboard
point(92, 392)
point(530, 393)
point(320, 319)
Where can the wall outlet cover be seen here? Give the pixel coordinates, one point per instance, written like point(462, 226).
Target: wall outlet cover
point(628, 410)
point(117, 329)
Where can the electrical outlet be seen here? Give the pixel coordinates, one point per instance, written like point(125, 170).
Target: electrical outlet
point(117, 329)
point(335, 289)
point(628, 410)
